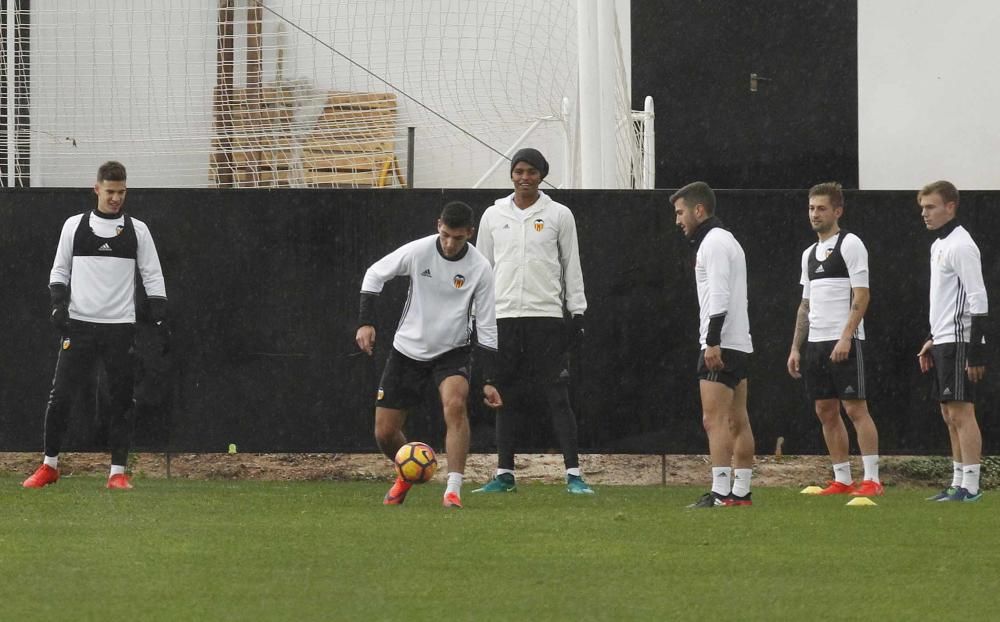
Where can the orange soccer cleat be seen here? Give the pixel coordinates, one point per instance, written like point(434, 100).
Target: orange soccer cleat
point(397, 494)
point(836, 488)
point(452, 500)
point(43, 476)
point(119, 482)
point(868, 488)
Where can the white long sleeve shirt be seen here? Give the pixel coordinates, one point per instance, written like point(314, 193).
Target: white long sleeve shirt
point(436, 317)
point(535, 257)
point(957, 290)
point(721, 275)
point(102, 288)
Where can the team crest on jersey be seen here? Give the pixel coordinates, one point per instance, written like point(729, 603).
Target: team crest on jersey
point(119, 229)
point(539, 224)
point(459, 281)
point(381, 394)
point(66, 344)
point(829, 252)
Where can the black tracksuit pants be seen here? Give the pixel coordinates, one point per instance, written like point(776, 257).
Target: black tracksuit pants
point(533, 357)
point(81, 347)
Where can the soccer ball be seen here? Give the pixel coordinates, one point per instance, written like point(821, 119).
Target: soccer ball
point(415, 462)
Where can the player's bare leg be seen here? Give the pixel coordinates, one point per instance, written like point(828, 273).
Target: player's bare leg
point(956, 455)
point(739, 425)
point(389, 436)
point(454, 392)
point(743, 447)
point(389, 430)
point(716, 408)
point(861, 419)
point(834, 430)
point(835, 435)
point(963, 415)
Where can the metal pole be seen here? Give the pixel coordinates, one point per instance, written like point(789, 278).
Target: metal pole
point(410, 137)
point(649, 146)
point(11, 32)
point(568, 164)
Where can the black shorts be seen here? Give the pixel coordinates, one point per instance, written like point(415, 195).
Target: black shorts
point(826, 380)
point(404, 379)
point(951, 384)
point(734, 372)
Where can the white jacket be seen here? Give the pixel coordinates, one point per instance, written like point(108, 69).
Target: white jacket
point(535, 257)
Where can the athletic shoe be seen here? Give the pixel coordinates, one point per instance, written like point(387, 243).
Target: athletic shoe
point(961, 494)
point(575, 485)
point(119, 482)
point(43, 476)
point(452, 500)
point(836, 488)
point(944, 494)
point(868, 488)
point(709, 500)
point(397, 494)
point(738, 500)
point(504, 482)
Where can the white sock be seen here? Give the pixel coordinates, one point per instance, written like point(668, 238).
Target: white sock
point(956, 474)
point(507, 471)
point(574, 471)
point(741, 481)
point(970, 478)
point(117, 469)
point(454, 483)
point(871, 467)
point(842, 473)
point(52, 461)
point(722, 482)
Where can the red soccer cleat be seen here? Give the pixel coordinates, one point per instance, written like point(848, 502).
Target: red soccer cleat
point(43, 476)
point(397, 494)
point(868, 488)
point(452, 500)
point(119, 482)
point(836, 488)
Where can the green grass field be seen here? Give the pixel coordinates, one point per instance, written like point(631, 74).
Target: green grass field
point(196, 550)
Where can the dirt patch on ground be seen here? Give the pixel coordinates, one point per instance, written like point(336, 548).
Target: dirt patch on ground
point(599, 469)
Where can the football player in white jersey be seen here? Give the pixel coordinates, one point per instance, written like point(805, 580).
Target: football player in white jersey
point(724, 334)
point(449, 278)
point(955, 349)
point(830, 321)
point(92, 289)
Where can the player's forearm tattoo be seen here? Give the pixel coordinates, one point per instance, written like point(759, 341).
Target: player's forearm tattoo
point(801, 324)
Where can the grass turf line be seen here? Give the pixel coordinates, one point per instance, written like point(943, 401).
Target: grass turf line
point(196, 550)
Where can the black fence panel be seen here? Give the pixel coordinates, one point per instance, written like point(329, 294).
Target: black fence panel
point(263, 289)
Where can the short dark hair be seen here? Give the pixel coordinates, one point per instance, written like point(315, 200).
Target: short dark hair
point(829, 189)
point(111, 171)
point(458, 215)
point(694, 193)
point(945, 189)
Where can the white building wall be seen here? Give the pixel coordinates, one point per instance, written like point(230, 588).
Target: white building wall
point(928, 93)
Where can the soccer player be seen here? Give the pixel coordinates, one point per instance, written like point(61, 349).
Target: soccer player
point(448, 279)
point(956, 345)
point(531, 242)
point(835, 297)
point(92, 289)
point(721, 276)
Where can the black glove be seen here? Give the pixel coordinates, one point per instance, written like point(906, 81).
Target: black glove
point(59, 298)
point(577, 331)
point(158, 318)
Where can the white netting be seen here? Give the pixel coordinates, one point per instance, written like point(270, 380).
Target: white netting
point(240, 93)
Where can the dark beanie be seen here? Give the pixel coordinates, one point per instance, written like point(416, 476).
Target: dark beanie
point(532, 157)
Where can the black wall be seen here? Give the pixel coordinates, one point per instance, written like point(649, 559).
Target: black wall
point(263, 293)
point(695, 58)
